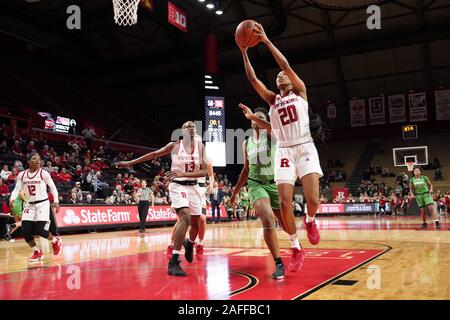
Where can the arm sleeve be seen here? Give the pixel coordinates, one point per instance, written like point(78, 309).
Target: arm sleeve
point(49, 181)
point(17, 189)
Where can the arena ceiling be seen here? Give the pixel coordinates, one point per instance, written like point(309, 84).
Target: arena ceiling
point(332, 50)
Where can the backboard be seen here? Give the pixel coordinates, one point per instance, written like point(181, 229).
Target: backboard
point(418, 155)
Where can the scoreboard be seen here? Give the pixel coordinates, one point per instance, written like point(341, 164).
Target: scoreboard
point(215, 123)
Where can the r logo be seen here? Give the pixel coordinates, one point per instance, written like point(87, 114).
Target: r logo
point(284, 163)
point(183, 194)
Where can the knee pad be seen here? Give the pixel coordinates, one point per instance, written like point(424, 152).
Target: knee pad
point(40, 229)
point(27, 230)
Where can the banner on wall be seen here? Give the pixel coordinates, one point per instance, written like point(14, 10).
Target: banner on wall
point(86, 217)
point(357, 112)
point(397, 109)
point(341, 192)
point(331, 110)
point(442, 100)
point(377, 114)
point(418, 106)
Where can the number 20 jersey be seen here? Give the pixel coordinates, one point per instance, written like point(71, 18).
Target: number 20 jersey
point(290, 120)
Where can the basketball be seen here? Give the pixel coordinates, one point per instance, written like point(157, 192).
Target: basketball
point(245, 34)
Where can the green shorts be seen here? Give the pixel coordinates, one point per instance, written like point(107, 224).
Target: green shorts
point(18, 206)
point(245, 203)
point(258, 190)
point(424, 200)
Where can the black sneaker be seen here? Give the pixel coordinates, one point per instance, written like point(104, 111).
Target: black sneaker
point(174, 269)
point(424, 225)
point(438, 225)
point(188, 250)
point(279, 272)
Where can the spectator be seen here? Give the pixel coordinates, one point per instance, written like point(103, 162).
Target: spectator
point(12, 177)
point(5, 173)
point(438, 174)
point(73, 198)
point(128, 200)
point(89, 134)
point(378, 169)
point(298, 198)
point(18, 165)
point(98, 183)
point(322, 199)
point(78, 192)
point(160, 200)
point(89, 200)
point(64, 176)
point(129, 187)
point(113, 199)
point(4, 148)
point(216, 198)
point(4, 191)
point(436, 163)
point(17, 150)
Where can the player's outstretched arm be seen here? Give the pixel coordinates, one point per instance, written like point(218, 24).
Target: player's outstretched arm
point(251, 116)
point(146, 157)
point(283, 63)
point(266, 94)
point(243, 177)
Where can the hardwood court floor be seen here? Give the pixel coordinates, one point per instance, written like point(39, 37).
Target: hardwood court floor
point(358, 258)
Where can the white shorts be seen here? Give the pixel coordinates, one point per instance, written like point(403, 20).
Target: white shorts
point(186, 197)
point(37, 212)
point(296, 161)
point(202, 191)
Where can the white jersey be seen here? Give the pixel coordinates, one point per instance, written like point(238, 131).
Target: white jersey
point(35, 186)
point(289, 119)
point(186, 162)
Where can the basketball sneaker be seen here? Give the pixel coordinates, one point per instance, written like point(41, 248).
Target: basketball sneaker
point(174, 269)
point(279, 272)
point(424, 225)
point(438, 225)
point(296, 263)
point(169, 252)
point(313, 233)
point(188, 250)
point(199, 252)
point(37, 256)
point(57, 246)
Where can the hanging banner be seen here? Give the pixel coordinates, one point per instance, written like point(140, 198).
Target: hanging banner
point(397, 110)
point(442, 98)
point(357, 112)
point(418, 106)
point(377, 115)
point(177, 17)
point(341, 192)
point(331, 110)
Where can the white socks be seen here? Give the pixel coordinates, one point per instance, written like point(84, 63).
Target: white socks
point(35, 248)
point(309, 219)
point(53, 240)
point(176, 252)
point(200, 242)
point(294, 241)
point(171, 242)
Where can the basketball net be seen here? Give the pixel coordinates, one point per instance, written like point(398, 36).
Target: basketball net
point(410, 165)
point(125, 12)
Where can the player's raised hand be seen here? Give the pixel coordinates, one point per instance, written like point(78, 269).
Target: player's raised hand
point(122, 164)
point(259, 30)
point(247, 111)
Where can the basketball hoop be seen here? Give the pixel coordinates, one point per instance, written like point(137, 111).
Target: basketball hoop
point(125, 12)
point(410, 165)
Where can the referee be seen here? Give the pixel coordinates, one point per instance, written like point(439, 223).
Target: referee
point(144, 196)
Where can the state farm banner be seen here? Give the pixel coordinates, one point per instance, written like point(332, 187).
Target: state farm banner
point(177, 17)
point(377, 114)
point(331, 110)
point(341, 192)
point(109, 216)
point(442, 99)
point(397, 109)
point(329, 208)
point(418, 106)
point(357, 113)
